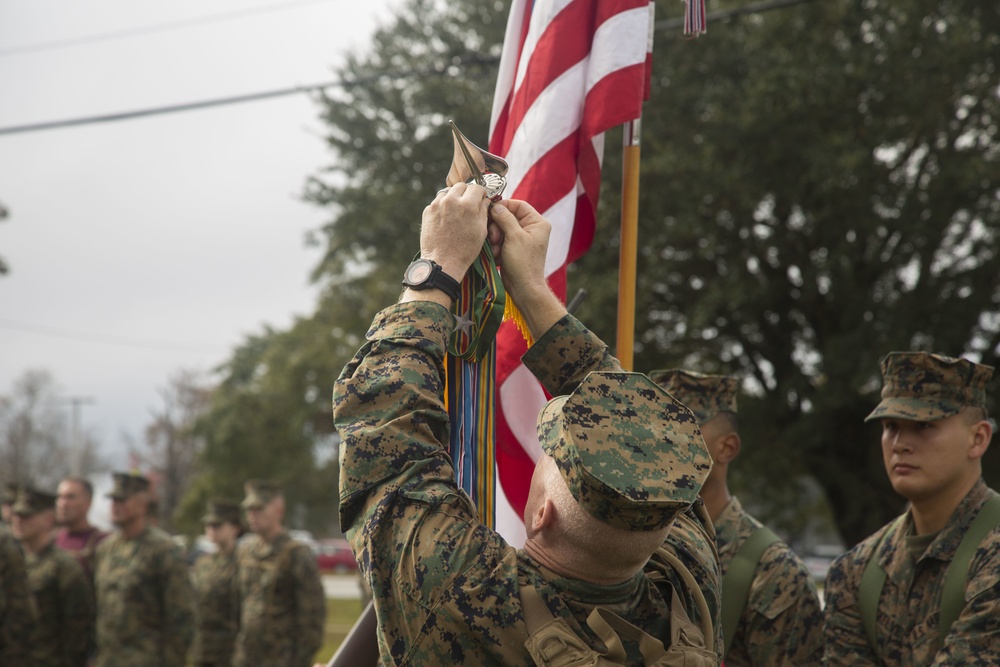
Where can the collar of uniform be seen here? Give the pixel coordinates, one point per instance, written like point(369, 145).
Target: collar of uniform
point(42, 553)
point(143, 534)
point(893, 555)
point(48, 548)
point(585, 592)
point(727, 526)
point(267, 549)
point(943, 548)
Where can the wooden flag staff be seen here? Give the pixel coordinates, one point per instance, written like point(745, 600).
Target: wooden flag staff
point(629, 243)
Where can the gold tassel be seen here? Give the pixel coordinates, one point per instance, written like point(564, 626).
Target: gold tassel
point(511, 312)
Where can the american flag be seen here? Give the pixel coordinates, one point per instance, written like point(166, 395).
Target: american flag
point(570, 70)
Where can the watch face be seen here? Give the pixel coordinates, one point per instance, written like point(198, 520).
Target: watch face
point(418, 272)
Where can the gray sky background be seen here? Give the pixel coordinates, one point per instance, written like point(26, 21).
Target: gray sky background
point(141, 247)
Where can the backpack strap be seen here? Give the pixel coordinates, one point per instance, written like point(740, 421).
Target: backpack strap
point(552, 643)
point(872, 582)
point(691, 583)
point(955, 578)
point(739, 577)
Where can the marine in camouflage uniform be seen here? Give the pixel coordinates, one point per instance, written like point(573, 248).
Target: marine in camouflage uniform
point(782, 621)
point(282, 604)
point(145, 613)
point(17, 609)
point(216, 588)
point(64, 602)
point(934, 431)
point(447, 589)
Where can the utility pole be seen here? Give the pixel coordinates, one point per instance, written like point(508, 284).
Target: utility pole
point(76, 447)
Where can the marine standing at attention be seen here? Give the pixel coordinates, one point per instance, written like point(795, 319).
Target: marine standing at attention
point(17, 609)
point(282, 604)
point(216, 588)
point(145, 605)
point(770, 607)
point(64, 601)
point(925, 589)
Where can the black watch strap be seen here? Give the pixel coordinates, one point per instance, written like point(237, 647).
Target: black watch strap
point(424, 274)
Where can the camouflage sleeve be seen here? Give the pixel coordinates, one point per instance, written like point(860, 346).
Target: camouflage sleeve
point(844, 639)
point(975, 636)
point(388, 406)
point(77, 624)
point(178, 608)
point(17, 609)
point(310, 605)
point(565, 354)
point(413, 531)
point(783, 623)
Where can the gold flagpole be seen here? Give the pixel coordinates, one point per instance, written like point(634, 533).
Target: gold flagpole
point(631, 146)
point(628, 253)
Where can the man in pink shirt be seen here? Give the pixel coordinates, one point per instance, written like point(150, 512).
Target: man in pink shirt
point(76, 535)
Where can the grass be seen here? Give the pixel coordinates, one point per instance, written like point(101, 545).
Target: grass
point(340, 618)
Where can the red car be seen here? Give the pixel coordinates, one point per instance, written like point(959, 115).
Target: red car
point(335, 556)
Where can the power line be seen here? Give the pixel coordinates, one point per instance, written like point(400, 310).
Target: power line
point(158, 27)
point(159, 111)
point(397, 74)
point(108, 339)
point(237, 99)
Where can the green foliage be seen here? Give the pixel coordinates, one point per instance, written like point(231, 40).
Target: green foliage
point(819, 187)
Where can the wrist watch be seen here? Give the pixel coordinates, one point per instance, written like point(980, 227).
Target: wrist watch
point(424, 274)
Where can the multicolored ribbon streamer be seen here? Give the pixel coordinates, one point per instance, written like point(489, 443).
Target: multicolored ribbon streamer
point(470, 376)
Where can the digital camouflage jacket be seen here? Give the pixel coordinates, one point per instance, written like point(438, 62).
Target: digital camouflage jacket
point(17, 609)
point(65, 605)
point(282, 605)
point(782, 622)
point(217, 610)
point(908, 610)
point(145, 606)
point(446, 587)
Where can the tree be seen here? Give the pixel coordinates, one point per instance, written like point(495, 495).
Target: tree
point(172, 443)
point(820, 186)
point(34, 447)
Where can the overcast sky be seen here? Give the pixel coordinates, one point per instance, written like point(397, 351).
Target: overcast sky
point(141, 247)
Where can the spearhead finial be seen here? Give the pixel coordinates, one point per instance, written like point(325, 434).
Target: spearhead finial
point(471, 164)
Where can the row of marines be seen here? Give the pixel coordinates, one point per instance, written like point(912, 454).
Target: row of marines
point(79, 596)
point(632, 537)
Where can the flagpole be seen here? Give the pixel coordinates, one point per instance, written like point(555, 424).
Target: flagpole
point(631, 149)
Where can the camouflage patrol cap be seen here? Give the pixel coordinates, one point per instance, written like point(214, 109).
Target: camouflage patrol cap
point(10, 490)
point(32, 501)
point(222, 511)
point(704, 395)
point(926, 387)
point(631, 455)
point(128, 484)
point(259, 493)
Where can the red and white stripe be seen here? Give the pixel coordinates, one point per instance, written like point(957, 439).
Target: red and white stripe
point(570, 70)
